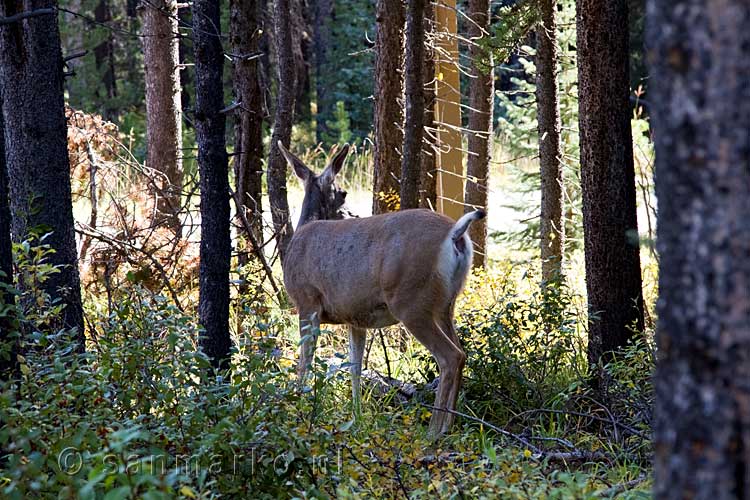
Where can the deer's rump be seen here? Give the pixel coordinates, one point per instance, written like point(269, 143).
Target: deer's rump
point(353, 271)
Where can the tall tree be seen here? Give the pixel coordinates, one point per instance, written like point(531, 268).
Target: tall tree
point(480, 126)
point(282, 127)
point(700, 93)
point(389, 116)
point(552, 231)
point(411, 162)
point(613, 270)
point(428, 174)
point(322, 44)
point(210, 123)
point(104, 57)
point(8, 359)
point(244, 36)
point(302, 57)
point(36, 148)
point(163, 108)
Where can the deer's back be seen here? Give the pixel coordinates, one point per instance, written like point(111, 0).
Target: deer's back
point(350, 270)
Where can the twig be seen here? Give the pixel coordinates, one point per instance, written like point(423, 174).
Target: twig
point(256, 247)
point(625, 427)
point(619, 488)
point(25, 15)
point(538, 453)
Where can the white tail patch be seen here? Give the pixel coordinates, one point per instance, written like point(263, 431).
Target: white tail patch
point(456, 253)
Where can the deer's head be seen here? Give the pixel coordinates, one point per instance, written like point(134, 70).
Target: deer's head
point(324, 200)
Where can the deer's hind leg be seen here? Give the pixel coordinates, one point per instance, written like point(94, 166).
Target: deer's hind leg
point(450, 359)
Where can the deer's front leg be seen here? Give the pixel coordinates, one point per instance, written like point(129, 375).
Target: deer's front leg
point(309, 329)
point(357, 338)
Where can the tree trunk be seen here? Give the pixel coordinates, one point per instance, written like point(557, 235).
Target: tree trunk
point(302, 57)
point(104, 57)
point(282, 128)
point(480, 126)
point(411, 161)
point(450, 183)
point(700, 93)
point(552, 231)
point(36, 148)
point(186, 70)
point(8, 341)
point(428, 174)
point(163, 110)
point(322, 44)
point(613, 271)
point(215, 251)
point(389, 116)
point(244, 26)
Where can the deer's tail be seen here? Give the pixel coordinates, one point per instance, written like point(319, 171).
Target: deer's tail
point(456, 253)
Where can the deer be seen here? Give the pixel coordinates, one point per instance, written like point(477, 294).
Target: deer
point(372, 272)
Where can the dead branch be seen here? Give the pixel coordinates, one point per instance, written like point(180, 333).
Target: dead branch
point(25, 15)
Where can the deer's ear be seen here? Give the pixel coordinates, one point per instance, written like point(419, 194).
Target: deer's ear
point(300, 169)
point(333, 168)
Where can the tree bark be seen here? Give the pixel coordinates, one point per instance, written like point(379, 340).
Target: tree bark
point(389, 116)
point(104, 57)
point(282, 128)
point(700, 93)
point(411, 162)
point(428, 174)
point(163, 108)
point(322, 44)
point(480, 127)
point(244, 26)
point(302, 57)
point(613, 272)
point(36, 148)
point(8, 349)
point(552, 231)
point(215, 249)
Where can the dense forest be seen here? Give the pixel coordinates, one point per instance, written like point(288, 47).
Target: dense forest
point(365, 249)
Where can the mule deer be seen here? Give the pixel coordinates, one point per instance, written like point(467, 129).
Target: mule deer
point(373, 272)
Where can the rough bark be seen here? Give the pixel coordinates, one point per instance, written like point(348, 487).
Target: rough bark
point(389, 116)
point(104, 57)
point(244, 36)
point(411, 162)
point(613, 272)
point(163, 108)
point(302, 57)
point(8, 359)
point(322, 44)
point(428, 174)
point(552, 231)
point(282, 128)
point(36, 148)
point(700, 93)
point(215, 248)
point(480, 127)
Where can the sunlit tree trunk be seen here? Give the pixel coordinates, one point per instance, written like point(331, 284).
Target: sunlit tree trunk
point(700, 95)
point(282, 127)
point(613, 271)
point(215, 249)
point(163, 108)
point(389, 115)
point(36, 148)
point(552, 231)
point(480, 126)
point(411, 162)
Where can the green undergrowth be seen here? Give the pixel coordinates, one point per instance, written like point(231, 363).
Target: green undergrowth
point(142, 415)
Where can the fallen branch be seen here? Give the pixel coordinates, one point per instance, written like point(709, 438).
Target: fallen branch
point(620, 488)
point(537, 453)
